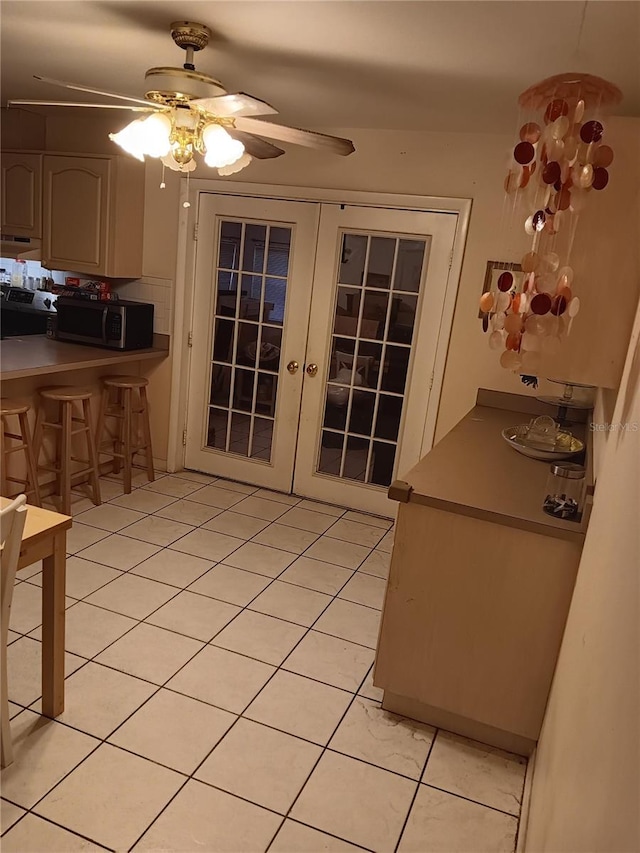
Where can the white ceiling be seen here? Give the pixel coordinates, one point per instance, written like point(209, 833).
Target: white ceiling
point(454, 65)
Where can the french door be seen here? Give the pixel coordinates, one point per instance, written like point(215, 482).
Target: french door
point(314, 340)
point(254, 273)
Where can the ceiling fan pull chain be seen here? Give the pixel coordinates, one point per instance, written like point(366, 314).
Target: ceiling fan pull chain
point(187, 203)
point(162, 183)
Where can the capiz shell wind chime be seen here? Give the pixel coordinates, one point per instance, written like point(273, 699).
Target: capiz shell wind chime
point(558, 162)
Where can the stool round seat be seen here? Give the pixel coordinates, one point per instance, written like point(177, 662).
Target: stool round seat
point(66, 393)
point(125, 381)
point(13, 407)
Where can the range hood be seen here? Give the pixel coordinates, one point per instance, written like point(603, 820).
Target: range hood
point(23, 248)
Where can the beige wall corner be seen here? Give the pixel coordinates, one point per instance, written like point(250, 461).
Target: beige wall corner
point(22, 129)
point(586, 786)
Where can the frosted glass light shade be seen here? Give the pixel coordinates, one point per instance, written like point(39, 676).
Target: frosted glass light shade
point(221, 149)
point(145, 136)
point(131, 139)
point(156, 130)
point(239, 164)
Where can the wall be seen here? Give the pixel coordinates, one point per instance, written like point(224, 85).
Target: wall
point(586, 784)
point(438, 164)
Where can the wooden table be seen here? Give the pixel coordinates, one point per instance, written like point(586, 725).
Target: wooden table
point(45, 538)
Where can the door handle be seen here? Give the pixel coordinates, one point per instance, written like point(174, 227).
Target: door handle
point(292, 367)
point(312, 369)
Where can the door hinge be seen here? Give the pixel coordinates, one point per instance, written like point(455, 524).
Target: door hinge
point(184, 438)
point(450, 258)
point(195, 231)
point(431, 380)
point(190, 339)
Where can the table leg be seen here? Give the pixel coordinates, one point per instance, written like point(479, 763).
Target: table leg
point(53, 617)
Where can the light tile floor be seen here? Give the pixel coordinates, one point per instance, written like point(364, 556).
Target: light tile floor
point(219, 694)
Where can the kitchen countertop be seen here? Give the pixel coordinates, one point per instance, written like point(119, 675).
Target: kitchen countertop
point(38, 355)
point(473, 471)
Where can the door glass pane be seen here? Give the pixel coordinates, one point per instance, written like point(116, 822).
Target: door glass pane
point(403, 317)
point(373, 330)
point(255, 237)
point(374, 315)
point(217, 428)
point(274, 299)
point(227, 294)
point(347, 312)
point(247, 336)
point(411, 257)
point(230, 240)
point(239, 438)
point(352, 259)
point(220, 385)
point(223, 340)
point(278, 252)
point(380, 265)
point(262, 438)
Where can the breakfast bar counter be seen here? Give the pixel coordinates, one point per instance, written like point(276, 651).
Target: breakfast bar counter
point(38, 355)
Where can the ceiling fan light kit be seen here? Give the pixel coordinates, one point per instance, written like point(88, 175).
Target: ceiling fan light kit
point(191, 113)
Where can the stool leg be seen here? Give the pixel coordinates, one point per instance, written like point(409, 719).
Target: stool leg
point(37, 436)
point(104, 397)
point(6, 746)
point(4, 485)
point(32, 472)
point(146, 432)
point(118, 441)
point(65, 457)
point(93, 456)
point(127, 440)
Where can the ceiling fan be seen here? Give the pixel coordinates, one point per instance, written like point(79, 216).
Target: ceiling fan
point(190, 112)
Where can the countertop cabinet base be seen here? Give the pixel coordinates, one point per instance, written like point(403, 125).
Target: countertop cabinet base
point(472, 624)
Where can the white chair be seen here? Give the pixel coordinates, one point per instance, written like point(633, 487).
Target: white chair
point(12, 519)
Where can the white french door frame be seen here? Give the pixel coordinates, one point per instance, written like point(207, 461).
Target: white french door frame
point(185, 283)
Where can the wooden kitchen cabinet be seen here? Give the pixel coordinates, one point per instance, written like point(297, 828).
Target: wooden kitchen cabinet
point(21, 194)
point(479, 588)
point(93, 213)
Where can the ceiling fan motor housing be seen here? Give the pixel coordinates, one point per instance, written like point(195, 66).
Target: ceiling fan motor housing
point(171, 86)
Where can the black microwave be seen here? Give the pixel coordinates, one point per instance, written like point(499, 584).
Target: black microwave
point(117, 325)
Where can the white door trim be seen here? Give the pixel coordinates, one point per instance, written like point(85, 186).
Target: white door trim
point(185, 280)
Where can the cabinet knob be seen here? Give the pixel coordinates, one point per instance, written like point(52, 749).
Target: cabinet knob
point(312, 369)
point(293, 366)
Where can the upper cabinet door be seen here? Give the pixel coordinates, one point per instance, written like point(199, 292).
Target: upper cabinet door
point(76, 213)
point(22, 195)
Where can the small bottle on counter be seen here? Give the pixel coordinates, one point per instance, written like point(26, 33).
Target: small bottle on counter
point(565, 491)
point(18, 273)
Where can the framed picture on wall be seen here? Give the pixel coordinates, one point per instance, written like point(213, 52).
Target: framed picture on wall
point(493, 272)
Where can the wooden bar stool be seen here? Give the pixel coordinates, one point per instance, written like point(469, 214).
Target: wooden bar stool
point(133, 433)
point(10, 408)
point(65, 396)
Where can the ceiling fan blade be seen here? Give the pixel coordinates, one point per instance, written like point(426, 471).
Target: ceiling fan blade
point(239, 104)
point(91, 91)
point(148, 109)
point(258, 148)
point(293, 134)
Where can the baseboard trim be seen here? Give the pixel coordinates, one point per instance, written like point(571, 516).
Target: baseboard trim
point(526, 803)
